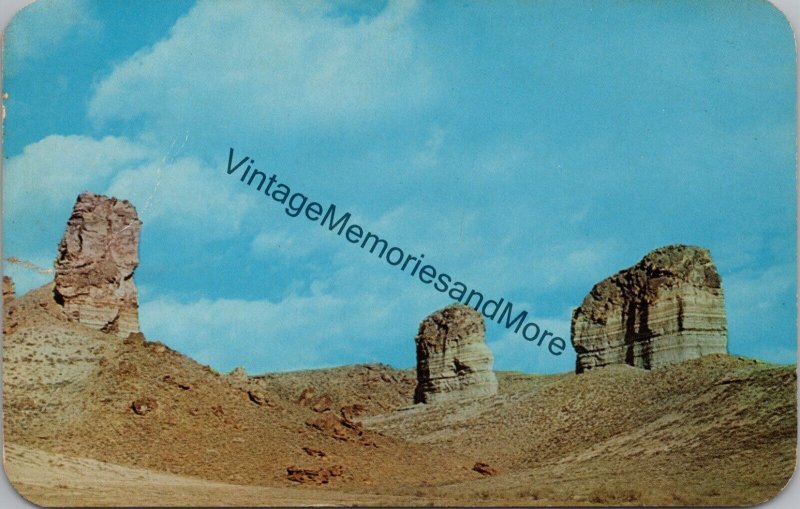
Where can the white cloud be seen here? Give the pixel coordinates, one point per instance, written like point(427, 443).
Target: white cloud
point(256, 334)
point(43, 25)
point(182, 196)
point(355, 309)
point(490, 255)
point(268, 65)
point(49, 174)
point(324, 326)
point(300, 239)
point(43, 182)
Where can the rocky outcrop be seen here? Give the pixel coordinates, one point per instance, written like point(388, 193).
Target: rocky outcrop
point(238, 374)
point(8, 290)
point(484, 469)
point(667, 308)
point(144, 406)
point(95, 264)
point(453, 361)
point(322, 475)
point(9, 320)
point(335, 426)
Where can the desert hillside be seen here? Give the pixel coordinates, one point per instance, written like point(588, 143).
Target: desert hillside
point(715, 430)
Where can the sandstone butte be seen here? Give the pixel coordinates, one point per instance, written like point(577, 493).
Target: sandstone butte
point(95, 263)
point(96, 422)
point(667, 308)
point(453, 361)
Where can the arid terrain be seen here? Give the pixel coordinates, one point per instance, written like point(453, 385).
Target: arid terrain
point(93, 419)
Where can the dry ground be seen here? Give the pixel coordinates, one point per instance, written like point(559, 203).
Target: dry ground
point(714, 431)
point(55, 480)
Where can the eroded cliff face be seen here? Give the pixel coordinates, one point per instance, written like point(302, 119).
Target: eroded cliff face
point(453, 361)
point(95, 264)
point(667, 308)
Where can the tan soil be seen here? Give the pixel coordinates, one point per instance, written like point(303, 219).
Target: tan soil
point(717, 430)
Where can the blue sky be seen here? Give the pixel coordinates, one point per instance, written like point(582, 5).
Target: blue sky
point(530, 149)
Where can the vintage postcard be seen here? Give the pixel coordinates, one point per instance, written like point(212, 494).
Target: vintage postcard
point(399, 253)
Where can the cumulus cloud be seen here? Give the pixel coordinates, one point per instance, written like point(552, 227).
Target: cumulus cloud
point(258, 334)
point(40, 186)
point(303, 242)
point(496, 190)
point(43, 181)
point(321, 326)
point(351, 306)
point(325, 327)
point(180, 196)
point(43, 25)
point(277, 65)
point(490, 254)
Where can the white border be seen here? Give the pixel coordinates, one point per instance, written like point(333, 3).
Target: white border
point(789, 498)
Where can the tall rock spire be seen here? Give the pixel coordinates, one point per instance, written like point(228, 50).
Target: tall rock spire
point(95, 264)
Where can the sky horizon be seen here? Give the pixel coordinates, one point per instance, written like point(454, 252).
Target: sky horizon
point(530, 150)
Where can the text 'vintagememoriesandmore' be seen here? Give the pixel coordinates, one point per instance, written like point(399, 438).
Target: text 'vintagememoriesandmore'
point(297, 204)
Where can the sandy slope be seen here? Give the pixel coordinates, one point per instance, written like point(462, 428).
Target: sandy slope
point(717, 430)
point(55, 480)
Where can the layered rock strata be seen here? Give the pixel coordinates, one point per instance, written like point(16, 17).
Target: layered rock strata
point(95, 264)
point(667, 308)
point(453, 361)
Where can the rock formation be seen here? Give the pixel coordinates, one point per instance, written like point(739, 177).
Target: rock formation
point(144, 406)
point(8, 290)
point(9, 323)
point(238, 374)
point(95, 264)
point(453, 361)
point(484, 469)
point(322, 475)
point(667, 308)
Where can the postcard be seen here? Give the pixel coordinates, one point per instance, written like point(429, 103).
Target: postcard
point(399, 253)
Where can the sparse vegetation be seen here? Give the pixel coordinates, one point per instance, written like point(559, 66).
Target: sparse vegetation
point(718, 430)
